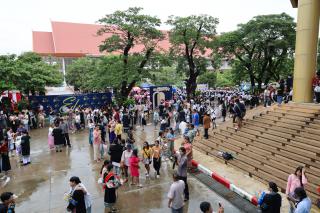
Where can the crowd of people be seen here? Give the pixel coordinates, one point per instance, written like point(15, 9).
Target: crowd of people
point(111, 135)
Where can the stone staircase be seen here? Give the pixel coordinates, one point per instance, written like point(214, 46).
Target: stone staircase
point(272, 144)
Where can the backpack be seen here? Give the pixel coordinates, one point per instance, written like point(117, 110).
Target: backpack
point(227, 156)
point(242, 110)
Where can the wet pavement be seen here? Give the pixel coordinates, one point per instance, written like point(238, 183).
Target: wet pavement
point(41, 185)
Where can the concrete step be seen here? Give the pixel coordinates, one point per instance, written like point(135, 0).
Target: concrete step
point(307, 143)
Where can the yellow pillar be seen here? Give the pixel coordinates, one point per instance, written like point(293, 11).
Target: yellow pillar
point(306, 50)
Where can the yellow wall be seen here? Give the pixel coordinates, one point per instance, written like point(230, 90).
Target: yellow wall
point(306, 50)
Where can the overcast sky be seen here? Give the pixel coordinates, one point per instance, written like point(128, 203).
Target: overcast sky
point(19, 17)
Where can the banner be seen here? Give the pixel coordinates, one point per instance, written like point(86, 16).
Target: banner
point(166, 90)
point(62, 103)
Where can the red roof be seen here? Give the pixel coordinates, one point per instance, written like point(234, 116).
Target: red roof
point(42, 42)
point(73, 39)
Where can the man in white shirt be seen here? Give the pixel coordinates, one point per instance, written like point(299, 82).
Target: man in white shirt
point(176, 194)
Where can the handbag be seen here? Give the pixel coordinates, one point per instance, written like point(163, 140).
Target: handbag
point(148, 160)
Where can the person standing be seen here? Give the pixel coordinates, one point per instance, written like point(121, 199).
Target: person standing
point(50, 137)
point(188, 147)
point(91, 128)
point(176, 194)
point(111, 183)
point(76, 197)
point(316, 86)
point(134, 168)
point(304, 202)
point(239, 112)
point(280, 92)
point(182, 163)
point(191, 133)
point(125, 164)
point(65, 131)
point(146, 157)
point(143, 120)
point(112, 135)
point(118, 130)
point(271, 202)
point(298, 179)
point(206, 125)
point(196, 120)
point(96, 143)
point(125, 121)
point(155, 118)
point(156, 156)
point(5, 161)
point(58, 137)
point(115, 152)
point(87, 196)
point(25, 148)
point(170, 141)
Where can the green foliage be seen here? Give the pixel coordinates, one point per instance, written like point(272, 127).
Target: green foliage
point(225, 79)
point(197, 93)
point(27, 73)
point(260, 50)
point(129, 102)
point(23, 104)
point(189, 37)
point(34, 74)
point(80, 73)
point(7, 71)
point(129, 28)
point(167, 76)
point(209, 78)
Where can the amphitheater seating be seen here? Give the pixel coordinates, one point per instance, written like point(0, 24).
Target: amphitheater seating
point(271, 145)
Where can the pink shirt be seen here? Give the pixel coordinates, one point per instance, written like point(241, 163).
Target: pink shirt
point(96, 137)
point(294, 182)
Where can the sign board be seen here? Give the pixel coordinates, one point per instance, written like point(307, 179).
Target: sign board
point(61, 103)
point(202, 87)
point(166, 90)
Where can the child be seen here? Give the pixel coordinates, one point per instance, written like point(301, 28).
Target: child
point(134, 168)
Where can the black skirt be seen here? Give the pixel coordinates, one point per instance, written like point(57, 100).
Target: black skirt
point(5, 162)
point(110, 195)
point(144, 122)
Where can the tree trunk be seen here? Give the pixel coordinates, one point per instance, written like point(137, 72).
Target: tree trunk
point(191, 86)
point(124, 92)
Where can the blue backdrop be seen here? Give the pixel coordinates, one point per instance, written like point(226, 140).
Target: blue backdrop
point(60, 103)
point(167, 90)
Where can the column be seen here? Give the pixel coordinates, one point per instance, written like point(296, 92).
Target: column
point(64, 72)
point(306, 50)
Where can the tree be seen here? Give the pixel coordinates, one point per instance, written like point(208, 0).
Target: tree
point(261, 48)
point(80, 73)
point(129, 28)
point(225, 79)
point(7, 69)
point(209, 78)
point(189, 37)
point(27, 73)
point(33, 74)
point(168, 76)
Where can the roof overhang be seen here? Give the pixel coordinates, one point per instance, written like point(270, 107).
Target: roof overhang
point(294, 3)
point(67, 55)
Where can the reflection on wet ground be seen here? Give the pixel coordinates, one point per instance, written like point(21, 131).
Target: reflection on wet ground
point(41, 185)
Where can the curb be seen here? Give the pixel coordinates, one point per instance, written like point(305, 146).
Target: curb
point(226, 183)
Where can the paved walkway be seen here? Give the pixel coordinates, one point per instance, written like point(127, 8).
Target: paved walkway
point(41, 185)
